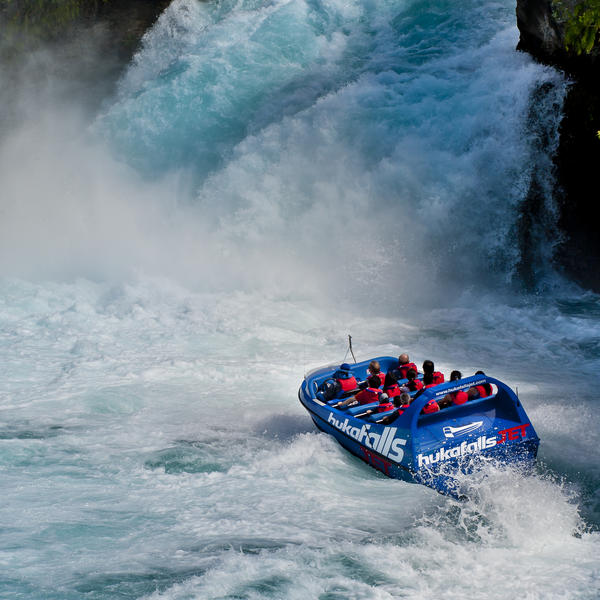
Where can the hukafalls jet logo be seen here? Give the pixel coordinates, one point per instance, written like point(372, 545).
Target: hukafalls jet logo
point(451, 432)
point(481, 444)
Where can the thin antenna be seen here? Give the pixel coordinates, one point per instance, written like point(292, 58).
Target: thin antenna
point(350, 348)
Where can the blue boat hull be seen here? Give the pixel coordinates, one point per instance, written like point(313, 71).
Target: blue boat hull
point(429, 449)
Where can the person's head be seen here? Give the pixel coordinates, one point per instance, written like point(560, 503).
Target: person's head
point(411, 374)
point(345, 367)
point(403, 359)
point(390, 380)
point(428, 366)
point(479, 373)
point(427, 378)
point(383, 398)
point(374, 367)
point(455, 375)
point(374, 381)
point(404, 399)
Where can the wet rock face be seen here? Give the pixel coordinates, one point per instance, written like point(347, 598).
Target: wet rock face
point(578, 155)
point(27, 25)
point(578, 188)
point(539, 33)
point(84, 49)
point(128, 20)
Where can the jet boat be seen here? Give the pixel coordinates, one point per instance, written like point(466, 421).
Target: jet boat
point(431, 449)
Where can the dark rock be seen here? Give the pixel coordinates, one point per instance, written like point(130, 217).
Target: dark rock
point(540, 34)
point(578, 153)
point(128, 21)
point(83, 51)
point(577, 161)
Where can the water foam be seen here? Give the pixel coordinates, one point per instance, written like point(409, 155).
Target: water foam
point(153, 446)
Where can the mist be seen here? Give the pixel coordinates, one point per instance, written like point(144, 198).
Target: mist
point(285, 184)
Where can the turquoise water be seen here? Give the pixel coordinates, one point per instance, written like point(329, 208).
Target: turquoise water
point(268, 178)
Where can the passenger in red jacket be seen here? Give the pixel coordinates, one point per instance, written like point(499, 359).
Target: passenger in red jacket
point(428, 382)
point(413, 384)
point(431, 407)
point(345, 379)
point(404, 364)
point(429, 368)
point(366, 396)
point(480, 391)
point(390, 386)
point(401, 403)
point(384, 405)
point(454, 398)
point(375, 369)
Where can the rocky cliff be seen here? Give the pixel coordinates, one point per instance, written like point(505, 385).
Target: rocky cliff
point(558, 34)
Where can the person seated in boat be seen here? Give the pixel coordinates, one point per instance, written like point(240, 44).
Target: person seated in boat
point(428, 367)
point(339, 383)
point(480, 391)
point(401, 403)
point(366, 396)
point(413, 384)
point(384, 405)
point(454, 398)
point(428, 382)
point(345, 379)
point(404, 365)
point(375, 369)
point(431, 407)
point(390, 386)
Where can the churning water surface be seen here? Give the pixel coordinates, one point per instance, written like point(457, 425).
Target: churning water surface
point(269, 177)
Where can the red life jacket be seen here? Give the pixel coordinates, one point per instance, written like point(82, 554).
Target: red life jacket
point(385, 407)
point(381, 376)
point(414, 385)
point(368, 395)
point(459, 397)
point(431, 407)
point(438, 377)
point(405, 368)
point(393, 391)
point(348, 385)
point(484, 390)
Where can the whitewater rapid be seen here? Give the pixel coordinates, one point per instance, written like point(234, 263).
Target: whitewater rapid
point(267, 178)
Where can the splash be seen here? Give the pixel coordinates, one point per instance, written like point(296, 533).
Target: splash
point(249, 141)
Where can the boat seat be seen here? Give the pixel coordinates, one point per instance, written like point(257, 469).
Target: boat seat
point(355, 411)
point(378, 416)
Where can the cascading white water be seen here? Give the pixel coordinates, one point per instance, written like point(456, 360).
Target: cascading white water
point(269, 177)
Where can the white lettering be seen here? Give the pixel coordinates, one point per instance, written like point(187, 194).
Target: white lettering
point(385, 443)
point(374, 437)
point(442, 454)
point(490, 442)
point(397, 453)
point(364, 433)
point(388, 442)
